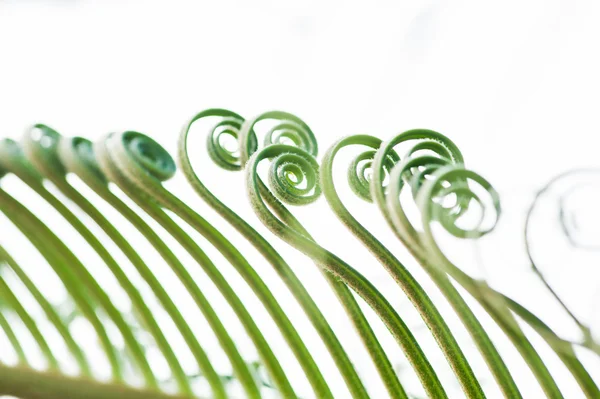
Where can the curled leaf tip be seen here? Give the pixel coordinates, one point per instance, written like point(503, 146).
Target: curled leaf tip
point(223, 139)
point(222, 143)
point(150, 155)
point(449, 195)
point(293, 175)
point(287, 129)
point(360, 173)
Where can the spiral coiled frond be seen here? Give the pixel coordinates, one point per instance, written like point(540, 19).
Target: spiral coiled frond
point(445, 193)
point(138, 339)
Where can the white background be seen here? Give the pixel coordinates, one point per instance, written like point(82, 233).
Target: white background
point(515, 84)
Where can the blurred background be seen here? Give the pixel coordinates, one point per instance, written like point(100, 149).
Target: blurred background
point(515, 84)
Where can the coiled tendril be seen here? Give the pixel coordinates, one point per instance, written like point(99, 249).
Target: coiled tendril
point(444, 197)
point(288, 129)
point(116, 157)
point(152, 157)
point(445, 192)
point(280, 154)
point(288, 276)
point(294, 172)
point(360, 172)
point(223, 156)
point(294, 177)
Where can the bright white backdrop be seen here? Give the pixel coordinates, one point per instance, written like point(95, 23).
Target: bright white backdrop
point(515, 84)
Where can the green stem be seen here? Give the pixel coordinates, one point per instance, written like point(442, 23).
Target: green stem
point(564, 350)
point(29, 384)
point(382, 363)
point(422, 245)
point(415, 292)
point(86, 169)
point(137, 300)
point(12, 302)
point(49, 166)
point(287, 275)
point(80, 284)
point(288, 155)
point(151, 199)
point(12, 338)
point(50, 312)
point(293, 129)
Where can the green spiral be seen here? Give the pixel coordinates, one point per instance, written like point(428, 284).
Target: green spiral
point(331, 262)
point(359, 172)
point(435, 177)
point(342, 292)
point(288, 127)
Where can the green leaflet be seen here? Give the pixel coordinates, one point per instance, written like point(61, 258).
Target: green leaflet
point(433, 171)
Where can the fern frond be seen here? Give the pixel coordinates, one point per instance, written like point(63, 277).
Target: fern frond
point(117, 355)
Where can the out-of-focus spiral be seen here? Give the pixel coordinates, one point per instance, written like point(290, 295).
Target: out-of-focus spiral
point(10, 154)
point(573, 218)
point(40, 145)
point(578, 223)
